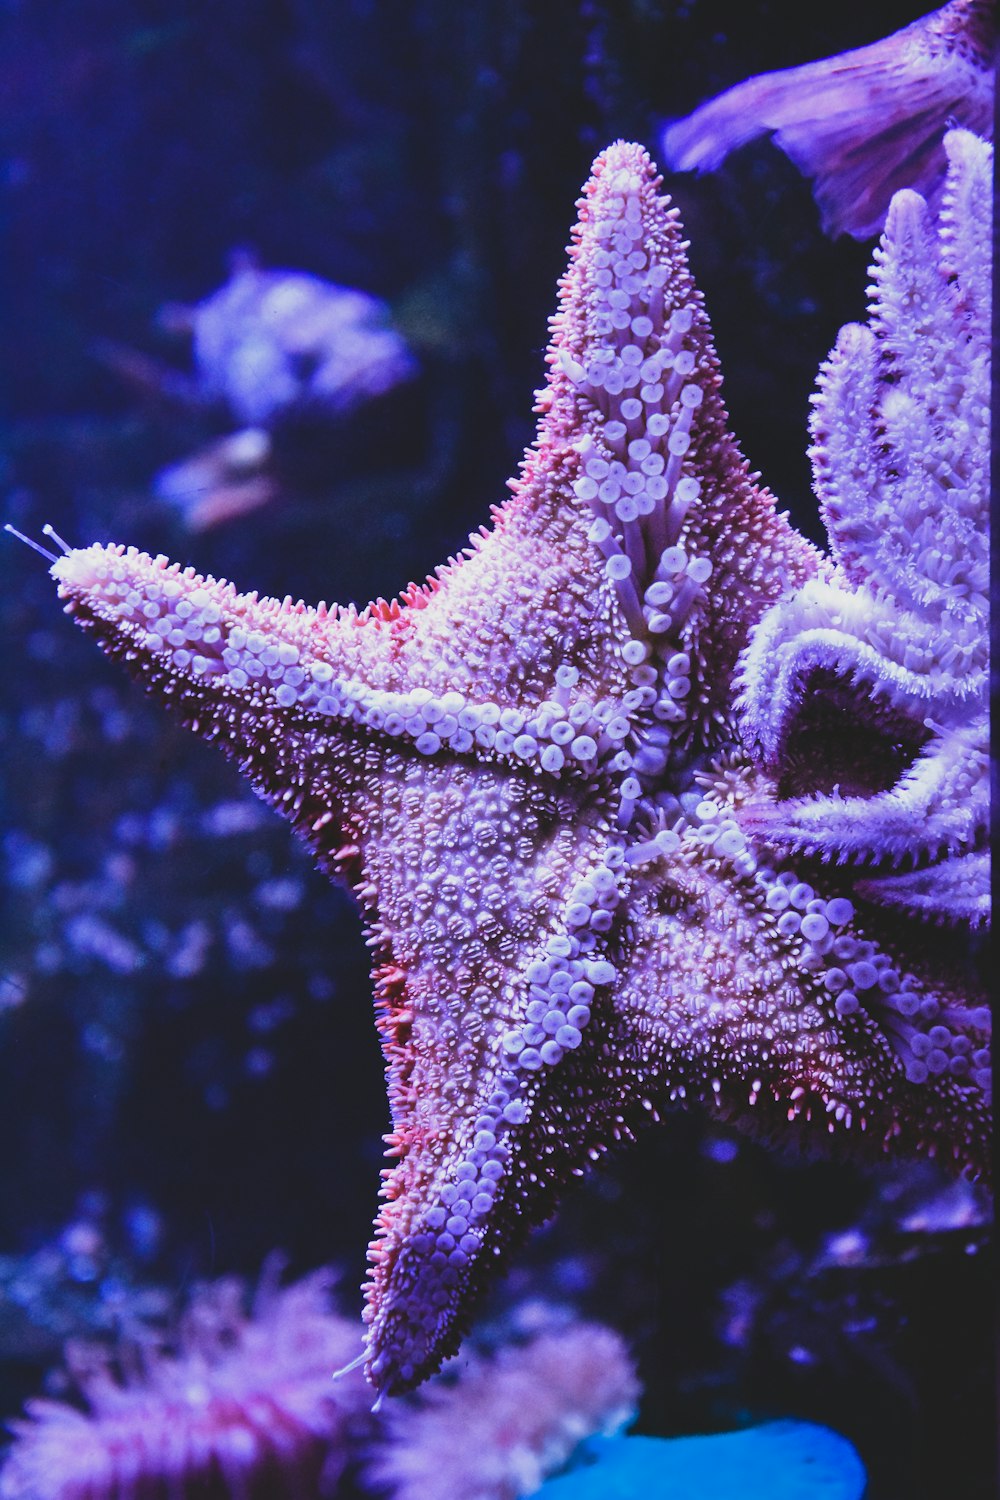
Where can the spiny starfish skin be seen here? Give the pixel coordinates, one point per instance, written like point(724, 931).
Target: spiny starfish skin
point(567, 931)
point(897, 633)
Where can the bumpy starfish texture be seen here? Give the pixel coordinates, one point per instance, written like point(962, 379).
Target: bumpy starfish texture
point(896, 636)
point(529, 770)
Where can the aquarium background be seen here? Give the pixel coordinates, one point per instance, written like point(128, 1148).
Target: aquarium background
point(189, 1074)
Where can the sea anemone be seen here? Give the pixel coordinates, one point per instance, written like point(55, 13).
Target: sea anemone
point(500, 1425)
point(231, 1405)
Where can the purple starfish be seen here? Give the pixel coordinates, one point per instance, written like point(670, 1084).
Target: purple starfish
point(532, 772)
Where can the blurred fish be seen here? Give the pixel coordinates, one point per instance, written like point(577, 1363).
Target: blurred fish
point(862, 124)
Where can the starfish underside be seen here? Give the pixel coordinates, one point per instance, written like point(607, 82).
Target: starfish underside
point(531, 773)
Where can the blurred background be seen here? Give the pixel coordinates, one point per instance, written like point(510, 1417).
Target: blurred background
point(189, 1075)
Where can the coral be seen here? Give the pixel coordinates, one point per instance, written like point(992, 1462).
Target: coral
point(242, 1404)
point(235, 1405)
point(270, 339)
point(862, 125)
point(492, 1428)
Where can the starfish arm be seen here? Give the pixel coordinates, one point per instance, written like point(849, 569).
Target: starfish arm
point(633, 416)
point(956, 890)
point(853, 639)
point(831, 1035)
point(276, 685)
point(938, 808)
point(492, 977)
point(267, 679)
